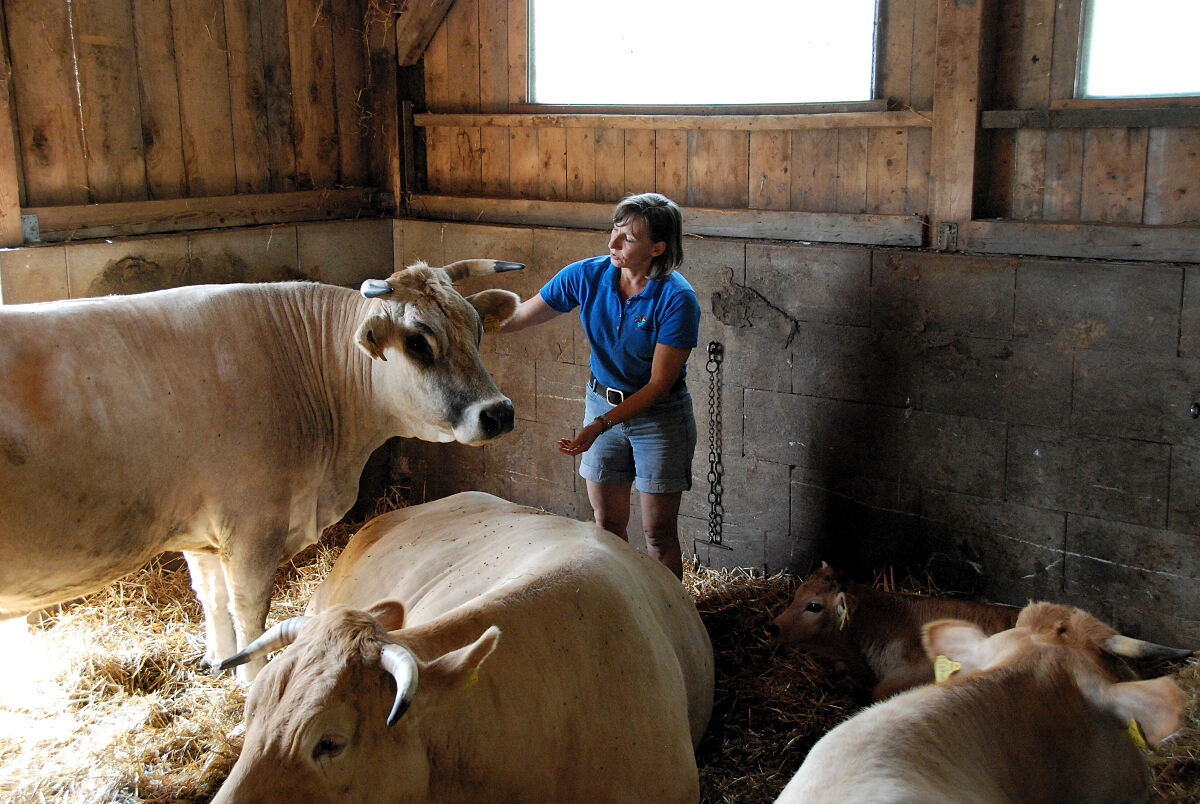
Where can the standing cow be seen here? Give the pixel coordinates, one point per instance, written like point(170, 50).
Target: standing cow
point(837, 617)
point(535, 658)
point(230, 422)
point(1033, 713)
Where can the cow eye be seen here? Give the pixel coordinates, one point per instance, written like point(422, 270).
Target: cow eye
point(814, 607)
point(418, 348)
point(328, 747)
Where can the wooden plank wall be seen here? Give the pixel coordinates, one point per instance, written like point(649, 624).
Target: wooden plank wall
point(134, 100)
point(476, 63)
point(1100, 174)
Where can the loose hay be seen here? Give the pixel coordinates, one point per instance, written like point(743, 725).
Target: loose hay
point(123, 713)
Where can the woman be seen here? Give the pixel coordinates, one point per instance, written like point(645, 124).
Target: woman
point(642, 320)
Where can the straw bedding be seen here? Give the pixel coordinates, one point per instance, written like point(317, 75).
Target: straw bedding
point(123, 713)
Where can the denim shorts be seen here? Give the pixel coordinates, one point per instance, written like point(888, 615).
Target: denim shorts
point(653, 450)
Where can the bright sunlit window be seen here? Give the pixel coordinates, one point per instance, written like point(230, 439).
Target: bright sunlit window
point(657, 52)
point(1135, 48)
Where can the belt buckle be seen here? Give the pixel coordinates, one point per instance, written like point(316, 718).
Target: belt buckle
point(609, 393)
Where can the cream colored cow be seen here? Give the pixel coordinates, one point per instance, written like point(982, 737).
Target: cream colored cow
point(1031, 714)
point(230, 422)
point(535, 658)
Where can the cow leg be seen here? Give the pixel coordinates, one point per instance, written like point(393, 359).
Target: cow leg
point(208, 581)
point(250, 567)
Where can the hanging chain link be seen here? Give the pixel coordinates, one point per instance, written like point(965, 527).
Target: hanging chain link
point(716, 514)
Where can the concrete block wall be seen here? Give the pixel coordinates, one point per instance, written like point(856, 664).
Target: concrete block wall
point(1017, 427)
point(339, 252)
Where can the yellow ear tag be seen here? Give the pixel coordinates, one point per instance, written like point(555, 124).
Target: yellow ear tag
point(1135, 734)
point(472, 677)
point(845, 619)
point(943, 668)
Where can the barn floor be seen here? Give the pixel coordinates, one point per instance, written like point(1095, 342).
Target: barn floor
point(121, 712)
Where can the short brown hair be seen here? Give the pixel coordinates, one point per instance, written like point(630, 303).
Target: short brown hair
point(664, 223)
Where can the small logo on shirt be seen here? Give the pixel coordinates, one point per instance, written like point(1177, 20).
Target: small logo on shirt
point(640, 321)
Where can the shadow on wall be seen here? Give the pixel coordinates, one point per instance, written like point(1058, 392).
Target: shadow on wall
point(136, 275)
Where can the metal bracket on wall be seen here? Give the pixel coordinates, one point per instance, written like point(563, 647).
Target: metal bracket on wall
point(947, 237)
point(30, 231)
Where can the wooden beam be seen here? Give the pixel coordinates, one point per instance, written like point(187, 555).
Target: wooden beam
point(10, 168)
point(1087, 240)
point(716, 122)
point(823, 227)
point(1162, 117)
point(957, 85)
point(184, 214)
point(415, 26)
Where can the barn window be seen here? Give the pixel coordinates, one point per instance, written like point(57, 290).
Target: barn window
point(1134, 48)
point(657, 52)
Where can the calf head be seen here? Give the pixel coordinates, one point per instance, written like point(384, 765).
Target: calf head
point(322, 721)
point(1051, 635)
point(819, 612)
point(439, 385)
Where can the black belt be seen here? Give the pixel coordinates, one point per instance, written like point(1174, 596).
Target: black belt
point(615, 396)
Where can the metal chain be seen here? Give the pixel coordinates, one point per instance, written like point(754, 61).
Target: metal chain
point(716, 514)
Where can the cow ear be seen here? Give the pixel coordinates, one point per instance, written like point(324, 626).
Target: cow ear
point(389, 614)
point(495, 306)
point(461, 667)
point(373, 334)
point(843, 607)
point(957, 640)
point(1156, 705)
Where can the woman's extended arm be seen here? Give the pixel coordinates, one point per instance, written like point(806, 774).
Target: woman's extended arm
point(530, 312)
point(665, 368)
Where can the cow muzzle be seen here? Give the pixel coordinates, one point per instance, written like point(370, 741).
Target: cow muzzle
point(485, 421)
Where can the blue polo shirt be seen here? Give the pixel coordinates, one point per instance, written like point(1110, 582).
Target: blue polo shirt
point(623, 334)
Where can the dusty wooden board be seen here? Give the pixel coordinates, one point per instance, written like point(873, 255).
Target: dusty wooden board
point(552, 164)
point(415, 27)
point(493, 55)
point(770, 169)
point(51, 147)
point(887, 170)
point(1114, 175)
point(493, 161)
point(610, 164)
point(670, 162)
point(106, 72)
point(814, 170)
point(956, 102)
point(251, 154)
point(158, 89)
point(714, 122)
point(350, 84)
point(204, 107)
point(851, 192)
point(639, 161)
point(718, 169)
point(893, 230)
point(1172, 165)
point(314, 124)
point(10, 168)
point(523, 162)
point(1159, 243)
point(581, 164)
point(187, 214)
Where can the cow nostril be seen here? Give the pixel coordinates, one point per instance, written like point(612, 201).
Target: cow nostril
point(497, 419)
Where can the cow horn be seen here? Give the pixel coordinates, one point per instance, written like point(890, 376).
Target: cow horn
point(279, 636)
point(1130, 648)
point(400, 662)
point(374, 287)
point(464, 268)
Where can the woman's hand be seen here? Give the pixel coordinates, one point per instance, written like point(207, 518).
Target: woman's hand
point(580, 443)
